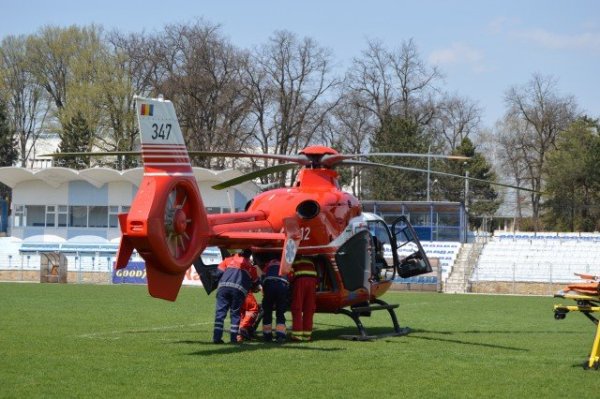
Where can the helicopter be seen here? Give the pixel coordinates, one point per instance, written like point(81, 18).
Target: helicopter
point(169, 227)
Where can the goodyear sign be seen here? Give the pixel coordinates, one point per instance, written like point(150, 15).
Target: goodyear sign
point(134, 273)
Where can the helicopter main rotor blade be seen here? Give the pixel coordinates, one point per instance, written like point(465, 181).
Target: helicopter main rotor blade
point(434, 172)
point(332, 159)
point(299, 159)
point(90, 154)
point(253, 175)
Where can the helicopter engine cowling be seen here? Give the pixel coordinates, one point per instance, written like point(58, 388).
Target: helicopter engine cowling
point(308, 209)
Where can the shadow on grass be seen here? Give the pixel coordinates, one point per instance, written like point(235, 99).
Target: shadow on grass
point(334, 334)
point(414, 335)
point(456, 341)
point(225, 349)
point(496, 332)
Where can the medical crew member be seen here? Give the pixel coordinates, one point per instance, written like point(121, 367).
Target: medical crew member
point(249, 314)
point(239, 275)
point(275, 297)
point(304, 298)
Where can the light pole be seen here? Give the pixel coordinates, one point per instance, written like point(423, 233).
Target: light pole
point(467, 190)
point(428, 173)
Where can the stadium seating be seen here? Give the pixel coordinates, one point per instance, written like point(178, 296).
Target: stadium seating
point(538, 257)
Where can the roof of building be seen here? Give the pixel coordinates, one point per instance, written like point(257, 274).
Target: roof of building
point(55, 176)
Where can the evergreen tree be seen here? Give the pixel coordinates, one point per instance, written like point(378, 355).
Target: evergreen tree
point(573, 179)
point(397, 135)
point(482, 201)
point(8, 142)
point(76, 136)
point(8, 147)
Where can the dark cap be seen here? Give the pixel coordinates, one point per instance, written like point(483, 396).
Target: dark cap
point(246, 253)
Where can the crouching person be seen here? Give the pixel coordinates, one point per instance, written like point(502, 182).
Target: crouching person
point(249, 314)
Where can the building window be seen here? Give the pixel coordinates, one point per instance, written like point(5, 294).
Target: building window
point(19, 220)
point(78, 216)
point(36, 215)
point(113, 220)
point(113, 214)
point(63, 212)
point(98, 216)
point(50, 215)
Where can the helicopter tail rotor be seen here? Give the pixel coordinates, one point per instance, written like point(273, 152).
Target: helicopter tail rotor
point(167, 223)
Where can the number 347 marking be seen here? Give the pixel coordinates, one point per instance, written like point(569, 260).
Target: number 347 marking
point(162, 131)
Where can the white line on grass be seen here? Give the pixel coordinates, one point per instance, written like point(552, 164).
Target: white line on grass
point(114, 334)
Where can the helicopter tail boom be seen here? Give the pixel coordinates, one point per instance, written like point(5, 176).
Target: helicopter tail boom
point(167, 222)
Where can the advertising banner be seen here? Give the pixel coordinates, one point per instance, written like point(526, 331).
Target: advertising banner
point(135, 273)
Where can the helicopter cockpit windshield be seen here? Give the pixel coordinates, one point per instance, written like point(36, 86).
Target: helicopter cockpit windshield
point(410, 257)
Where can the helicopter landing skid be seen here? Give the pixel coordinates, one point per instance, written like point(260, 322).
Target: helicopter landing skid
point(355, 313)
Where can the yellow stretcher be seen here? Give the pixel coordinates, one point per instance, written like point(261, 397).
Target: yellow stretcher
point(587, 297)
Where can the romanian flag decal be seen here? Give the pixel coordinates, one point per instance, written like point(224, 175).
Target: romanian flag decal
point(147, 110)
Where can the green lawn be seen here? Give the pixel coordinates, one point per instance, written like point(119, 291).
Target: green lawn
point(116, 341)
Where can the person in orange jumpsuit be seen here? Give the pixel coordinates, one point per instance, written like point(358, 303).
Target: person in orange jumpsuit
point(249, 314)
point(304, 298)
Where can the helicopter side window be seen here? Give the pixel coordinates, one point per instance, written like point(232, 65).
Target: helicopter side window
point(353, 261)
point(324, 271)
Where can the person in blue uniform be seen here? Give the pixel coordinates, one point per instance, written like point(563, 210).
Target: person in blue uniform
point(239, 276)
point(275, 297)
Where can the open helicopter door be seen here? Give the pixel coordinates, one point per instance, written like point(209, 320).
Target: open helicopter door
point(414, 261)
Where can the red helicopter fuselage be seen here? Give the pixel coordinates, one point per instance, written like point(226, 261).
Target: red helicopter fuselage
point(323, 212)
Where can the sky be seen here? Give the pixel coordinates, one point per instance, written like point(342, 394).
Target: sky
point(482, 47)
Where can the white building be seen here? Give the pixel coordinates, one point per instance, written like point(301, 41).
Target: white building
point(71, 212)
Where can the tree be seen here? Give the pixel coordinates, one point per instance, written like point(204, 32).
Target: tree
point(394, 83)
point(202, 73)
point(8, 147)
point(397, 135)
point(289, 79)
point(539, 113)
point(126, 70)
point(64, 62)
point(573, 179)
point(27, 106)
point(512, 161)
point(456, 119)
point(481, 200)
point(349, 131)
point(76, 137)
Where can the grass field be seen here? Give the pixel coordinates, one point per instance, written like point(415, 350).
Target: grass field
point(116, 341)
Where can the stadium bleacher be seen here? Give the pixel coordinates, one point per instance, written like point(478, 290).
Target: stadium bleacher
point(547, 257)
